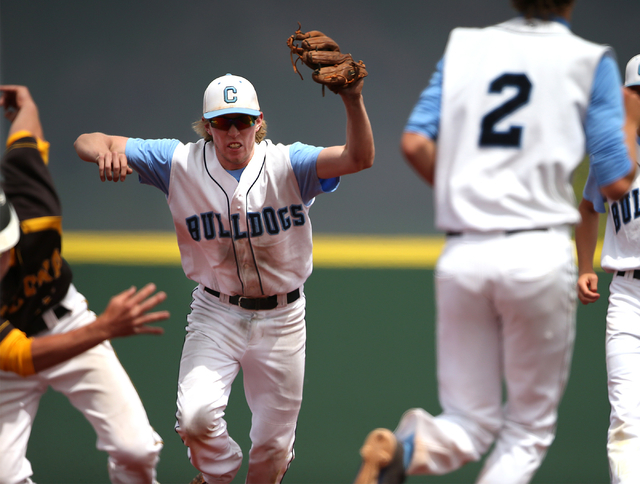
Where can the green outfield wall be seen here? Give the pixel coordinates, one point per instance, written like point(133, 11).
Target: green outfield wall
point(370, 356)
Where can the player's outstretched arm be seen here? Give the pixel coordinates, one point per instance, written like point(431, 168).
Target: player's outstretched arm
point(127, 314)
point(420, 153)
point(586, 241)
point(359, 150)
point(107, 152)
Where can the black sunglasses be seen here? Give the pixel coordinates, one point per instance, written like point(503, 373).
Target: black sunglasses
point(241, 122)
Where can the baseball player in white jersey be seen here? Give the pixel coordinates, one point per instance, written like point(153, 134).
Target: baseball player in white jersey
point(240, 206)
point(48, 335)
point(510, 109)
point(620, 256)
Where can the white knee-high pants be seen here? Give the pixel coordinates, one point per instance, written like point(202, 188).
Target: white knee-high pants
point(269, 346)
point(506, 315)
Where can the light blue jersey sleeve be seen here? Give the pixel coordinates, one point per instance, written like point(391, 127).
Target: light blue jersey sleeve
point(151, 159)
point(605, 117)
point(592, 193)
point(303, 160)
point(425, 117)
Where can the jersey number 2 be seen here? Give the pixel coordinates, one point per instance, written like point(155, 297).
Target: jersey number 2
point(511, 138)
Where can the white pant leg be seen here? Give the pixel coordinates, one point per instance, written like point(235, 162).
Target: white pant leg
point(468, 368)
point(273, 369)
point(19, 399)
point(506, 309)
point(623, 370)
point(270, 347)
point(98, 386)
point(537, 304)
point(217, 337)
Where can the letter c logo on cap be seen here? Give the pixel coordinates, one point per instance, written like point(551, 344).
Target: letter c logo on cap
point(230, 98)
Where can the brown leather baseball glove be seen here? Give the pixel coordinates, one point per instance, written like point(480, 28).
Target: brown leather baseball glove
point(331, 67)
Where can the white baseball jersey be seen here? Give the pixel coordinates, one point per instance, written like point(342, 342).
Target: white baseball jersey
point(251, 237)
point(622, 233)
point(481, 184)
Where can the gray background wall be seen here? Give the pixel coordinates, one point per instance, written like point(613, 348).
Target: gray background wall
point(139, 68)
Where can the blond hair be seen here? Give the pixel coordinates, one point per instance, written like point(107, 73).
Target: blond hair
point(200, 127)
point(541, 8)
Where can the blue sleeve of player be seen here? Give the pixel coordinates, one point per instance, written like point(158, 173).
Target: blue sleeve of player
point(303, 160)
point(605, 116)
point(425, 117)
point(592, 193)
point(151, 158)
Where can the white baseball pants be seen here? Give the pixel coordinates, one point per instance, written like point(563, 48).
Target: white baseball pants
point(623, 370)
point(269, 346)
point(506, 308)
point(97, 385)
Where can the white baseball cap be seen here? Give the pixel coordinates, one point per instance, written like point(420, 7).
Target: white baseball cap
point(632, 75)
point(230, 95)
point(9, 224)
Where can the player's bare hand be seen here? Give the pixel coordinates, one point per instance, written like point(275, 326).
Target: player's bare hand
point(588, 288)
point(128, 312)
point(113, 166)
point(13, 99)
point(352, 91)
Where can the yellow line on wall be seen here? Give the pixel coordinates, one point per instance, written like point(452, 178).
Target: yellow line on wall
point(330, 251)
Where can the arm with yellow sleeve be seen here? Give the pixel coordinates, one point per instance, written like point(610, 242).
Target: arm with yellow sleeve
point(127, 314)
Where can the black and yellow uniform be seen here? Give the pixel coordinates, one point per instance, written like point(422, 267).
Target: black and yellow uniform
point(38, 278)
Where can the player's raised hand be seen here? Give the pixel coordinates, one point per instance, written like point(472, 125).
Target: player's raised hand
point(127, 313)
point(13, 99)
point(20, 108)
point(588, 288)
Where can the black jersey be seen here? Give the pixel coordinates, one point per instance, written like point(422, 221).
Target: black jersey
point(39, 277)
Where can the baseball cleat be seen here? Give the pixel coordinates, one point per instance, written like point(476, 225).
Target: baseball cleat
point(382, 459)
point(199, 479)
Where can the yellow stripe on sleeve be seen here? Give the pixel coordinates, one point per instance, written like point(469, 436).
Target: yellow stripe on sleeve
point(42, 223)
point(15, 353)
point(43, 146)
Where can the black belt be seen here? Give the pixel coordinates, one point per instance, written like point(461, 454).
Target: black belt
point(506, 232)
point(36, 325)
point(257, 303)
point(636, 273)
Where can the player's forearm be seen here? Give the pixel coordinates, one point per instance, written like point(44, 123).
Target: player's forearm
point(359, 147)
point(90, 145)
point(420, 153)
point(27, 119)
point(586, 233)
point(48, 351)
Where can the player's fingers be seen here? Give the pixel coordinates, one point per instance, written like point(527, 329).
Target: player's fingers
point(142, 322)
point(100, 163)
point(152, 302)
point(143, 293)
point(119, 302)
point(108, 163)
point(124, 167)
point(588, 299)
point(149, 330)
point(115, 166)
